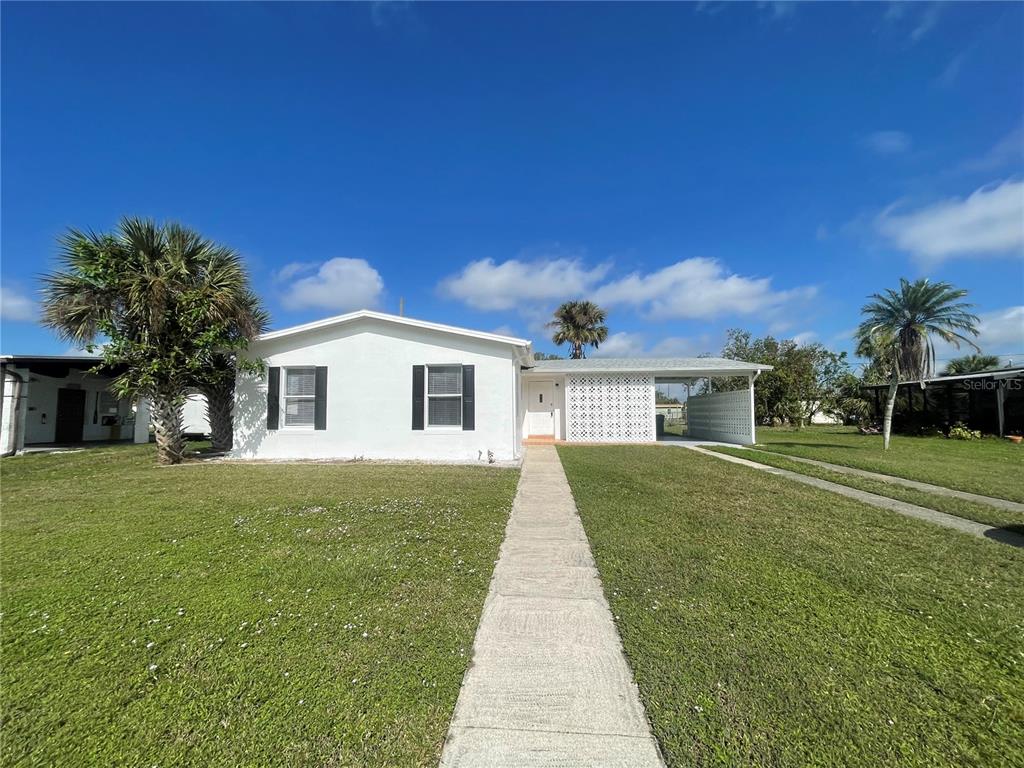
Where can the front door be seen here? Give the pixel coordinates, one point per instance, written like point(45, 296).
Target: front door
point(70, 416)
point(540, 408)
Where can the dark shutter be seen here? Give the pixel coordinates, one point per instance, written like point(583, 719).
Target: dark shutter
point(320, 401)
point(417, 396)
point(273, 398)
point(468, 398)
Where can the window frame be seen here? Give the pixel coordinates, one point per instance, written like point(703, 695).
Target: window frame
point(285, 397)
point(427, 397)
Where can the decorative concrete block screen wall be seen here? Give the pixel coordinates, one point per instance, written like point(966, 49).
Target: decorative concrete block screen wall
point(609, 408)
point(722, 416)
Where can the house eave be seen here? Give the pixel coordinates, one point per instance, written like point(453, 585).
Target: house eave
point(366, 314)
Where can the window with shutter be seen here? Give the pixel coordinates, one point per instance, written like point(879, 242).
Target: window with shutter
point(299, 397)
point(444, 395)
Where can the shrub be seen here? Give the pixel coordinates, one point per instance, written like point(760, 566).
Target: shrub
point(959, 431)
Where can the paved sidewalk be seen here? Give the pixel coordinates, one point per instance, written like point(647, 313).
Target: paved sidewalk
point(548, 684)
point(902, 507)
point(938, 490)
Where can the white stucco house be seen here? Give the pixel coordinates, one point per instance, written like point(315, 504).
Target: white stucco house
point(377, 386)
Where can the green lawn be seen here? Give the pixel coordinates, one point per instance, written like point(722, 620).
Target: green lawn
point(239, 615)
point(982, 513)
point(991, 467)
point(769, 623)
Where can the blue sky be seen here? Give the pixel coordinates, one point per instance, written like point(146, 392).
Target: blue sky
point(691, 167)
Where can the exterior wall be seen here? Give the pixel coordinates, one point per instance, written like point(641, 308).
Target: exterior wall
point(369, 396)
point(610, 407)
point(38, 410)
point(722, 416)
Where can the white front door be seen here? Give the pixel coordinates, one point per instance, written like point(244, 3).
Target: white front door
point(540, 408)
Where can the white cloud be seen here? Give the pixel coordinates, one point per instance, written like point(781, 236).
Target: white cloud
point(779, 9)
point(989, 221)
point(15, 306)
point(1009, 150)
point(697, 288)
point(1000, 332)
point(621, 344)
point(951, 72)
point(82, 352)
point(887, 142)
point(926, 22)
point(293, 270)
point(628, 344)
point(485, 284)
point(805, 337)
point(342, 285)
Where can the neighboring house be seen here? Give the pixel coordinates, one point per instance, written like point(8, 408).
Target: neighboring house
point(194, 421)
point(377, 386)
point(990, 401)
point(55, 400)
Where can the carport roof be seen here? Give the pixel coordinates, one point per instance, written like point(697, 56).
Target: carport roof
point(669, 366)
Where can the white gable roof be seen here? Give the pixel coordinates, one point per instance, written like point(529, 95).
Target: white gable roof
point(366, 314)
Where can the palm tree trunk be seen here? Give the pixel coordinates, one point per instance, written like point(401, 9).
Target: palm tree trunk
point(220, 401)
point(890, 402)
point(167, 424)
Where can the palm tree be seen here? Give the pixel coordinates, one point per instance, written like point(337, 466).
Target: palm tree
point(971, 364)
point(167, 299)
point(579, 323)
point(898, 326)
point(243, 318)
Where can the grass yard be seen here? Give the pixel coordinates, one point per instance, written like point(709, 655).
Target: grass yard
point(244, 615)
point(991, 467)
point(982, 513)
point(770, 623)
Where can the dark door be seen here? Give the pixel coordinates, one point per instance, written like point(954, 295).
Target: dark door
point(70, 415)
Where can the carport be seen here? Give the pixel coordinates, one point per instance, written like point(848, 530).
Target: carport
point(612, 400)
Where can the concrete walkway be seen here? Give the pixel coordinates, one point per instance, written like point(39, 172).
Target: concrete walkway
point(938, 490)
point(893, 505)
point(548, 684)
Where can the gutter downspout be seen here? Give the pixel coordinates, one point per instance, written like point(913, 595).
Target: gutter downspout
point(753, 415)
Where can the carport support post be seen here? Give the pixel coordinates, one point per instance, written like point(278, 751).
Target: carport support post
point(753, 419)
point(999, 406)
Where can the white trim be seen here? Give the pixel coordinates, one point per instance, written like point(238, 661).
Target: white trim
point(689, 373)
point(427, 426)
point(397, 320)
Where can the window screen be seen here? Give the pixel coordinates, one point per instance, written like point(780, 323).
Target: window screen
point(444, 396)
point(299, 397)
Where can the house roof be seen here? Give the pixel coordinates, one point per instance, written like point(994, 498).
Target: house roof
point(366, 314)
point(1015, 372)
point(673, 366)
point(58, 366)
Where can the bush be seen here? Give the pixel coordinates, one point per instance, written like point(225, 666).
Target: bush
point(959, 431)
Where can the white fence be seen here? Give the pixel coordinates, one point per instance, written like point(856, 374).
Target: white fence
point(610, 408)
point(722, 416)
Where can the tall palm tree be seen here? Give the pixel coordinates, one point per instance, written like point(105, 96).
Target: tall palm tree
point(899, 326)
point(971, 364)
point(165, 297)
point(578, 324)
